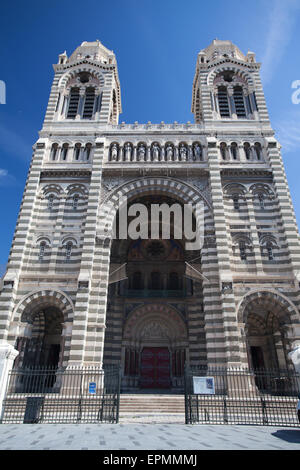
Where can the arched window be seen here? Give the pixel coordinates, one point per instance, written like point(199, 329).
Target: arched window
point(50, 201)
point(87, 151)
point(261, 200)
point(64, 151)
point(42, 250)
point(77, 150)
point(75, 201)
point(155, 280)
point(73, 103)
point(137, 280)
point(223, 102)
point(238, 98)
point(54, 150)
point(223, 150)
point(257, 148)
point(174, 281)
point(247, 150)
point(69, 247)
point(89, 101)
point(234, 150)
point(236, 203)
point(242, 247)
point(270, 251)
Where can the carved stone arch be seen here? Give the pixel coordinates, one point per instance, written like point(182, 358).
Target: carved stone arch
point(265, 238)
point(41, 237)
point(168, 318)
point(76, 188)
point(67, 141)
point(41, 298)
point(182, 191)
point(81, 68)
point(241, 236)
point(281, 304)
point(230, 68)
point(258, 324)
point(51, 188)
point(261, 188)
point(69, 238)
point(234, 188)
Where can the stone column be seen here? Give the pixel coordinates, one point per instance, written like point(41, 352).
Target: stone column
point(288, 218)
point(219, 305)
point(148, 154)
point(86, 298)
point(98, 99)
point(231, 103)
point(134, 153)
point(7, 356)
point(24, 237)
point(254, 234)
point(55, 249)
point(80, 104)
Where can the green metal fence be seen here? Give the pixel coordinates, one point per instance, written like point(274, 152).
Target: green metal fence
point(241, 396)
point(71, 395)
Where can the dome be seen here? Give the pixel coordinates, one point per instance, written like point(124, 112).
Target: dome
point(94, 51)
point(219, 48)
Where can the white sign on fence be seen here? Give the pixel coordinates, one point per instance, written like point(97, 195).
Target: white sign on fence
point(204, 385)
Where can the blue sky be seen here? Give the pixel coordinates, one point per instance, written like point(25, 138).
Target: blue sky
point(156, 43)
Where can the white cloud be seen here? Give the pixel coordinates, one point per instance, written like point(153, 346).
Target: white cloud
point(288, 131)
point(13, 144)
point(6, 179)
point(281, 23)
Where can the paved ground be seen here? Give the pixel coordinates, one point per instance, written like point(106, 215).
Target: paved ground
point(160, 436)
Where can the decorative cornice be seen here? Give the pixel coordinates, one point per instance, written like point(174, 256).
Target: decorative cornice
point(64, 67)
point(241, 172)
point(66, 173)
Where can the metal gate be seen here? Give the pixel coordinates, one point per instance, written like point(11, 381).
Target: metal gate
point(241, 396)
point(69, 395)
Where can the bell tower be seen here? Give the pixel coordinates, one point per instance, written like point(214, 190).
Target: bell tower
point(227, 86)
point(85, 88)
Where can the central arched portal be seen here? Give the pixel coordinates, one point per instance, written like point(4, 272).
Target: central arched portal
point(154, 347)
point(155, 319)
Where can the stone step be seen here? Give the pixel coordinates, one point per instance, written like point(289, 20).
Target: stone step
point(147, 403)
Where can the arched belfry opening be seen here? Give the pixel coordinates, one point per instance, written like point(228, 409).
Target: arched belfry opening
point(154, 312)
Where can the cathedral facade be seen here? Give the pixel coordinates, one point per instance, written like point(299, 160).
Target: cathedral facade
point(72, 295)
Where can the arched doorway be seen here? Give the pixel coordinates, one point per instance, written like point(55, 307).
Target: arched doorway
point(267, 318)
point(45, 342)
point(41, 320)
point(156, 275)
point(154, 348)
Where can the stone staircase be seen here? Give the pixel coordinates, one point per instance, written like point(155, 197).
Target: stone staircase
point(151, 408)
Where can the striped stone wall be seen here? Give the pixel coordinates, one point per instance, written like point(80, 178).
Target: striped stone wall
point(216, 327)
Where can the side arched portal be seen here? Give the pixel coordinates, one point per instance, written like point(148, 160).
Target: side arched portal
point(268, 318)
point(42, 323)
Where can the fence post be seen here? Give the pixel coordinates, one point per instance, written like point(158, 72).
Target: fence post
point(186, 392)
point(7, 356)
point(225, 417)
point(118, 393)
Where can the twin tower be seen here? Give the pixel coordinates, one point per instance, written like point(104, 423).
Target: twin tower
point(61, 302)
